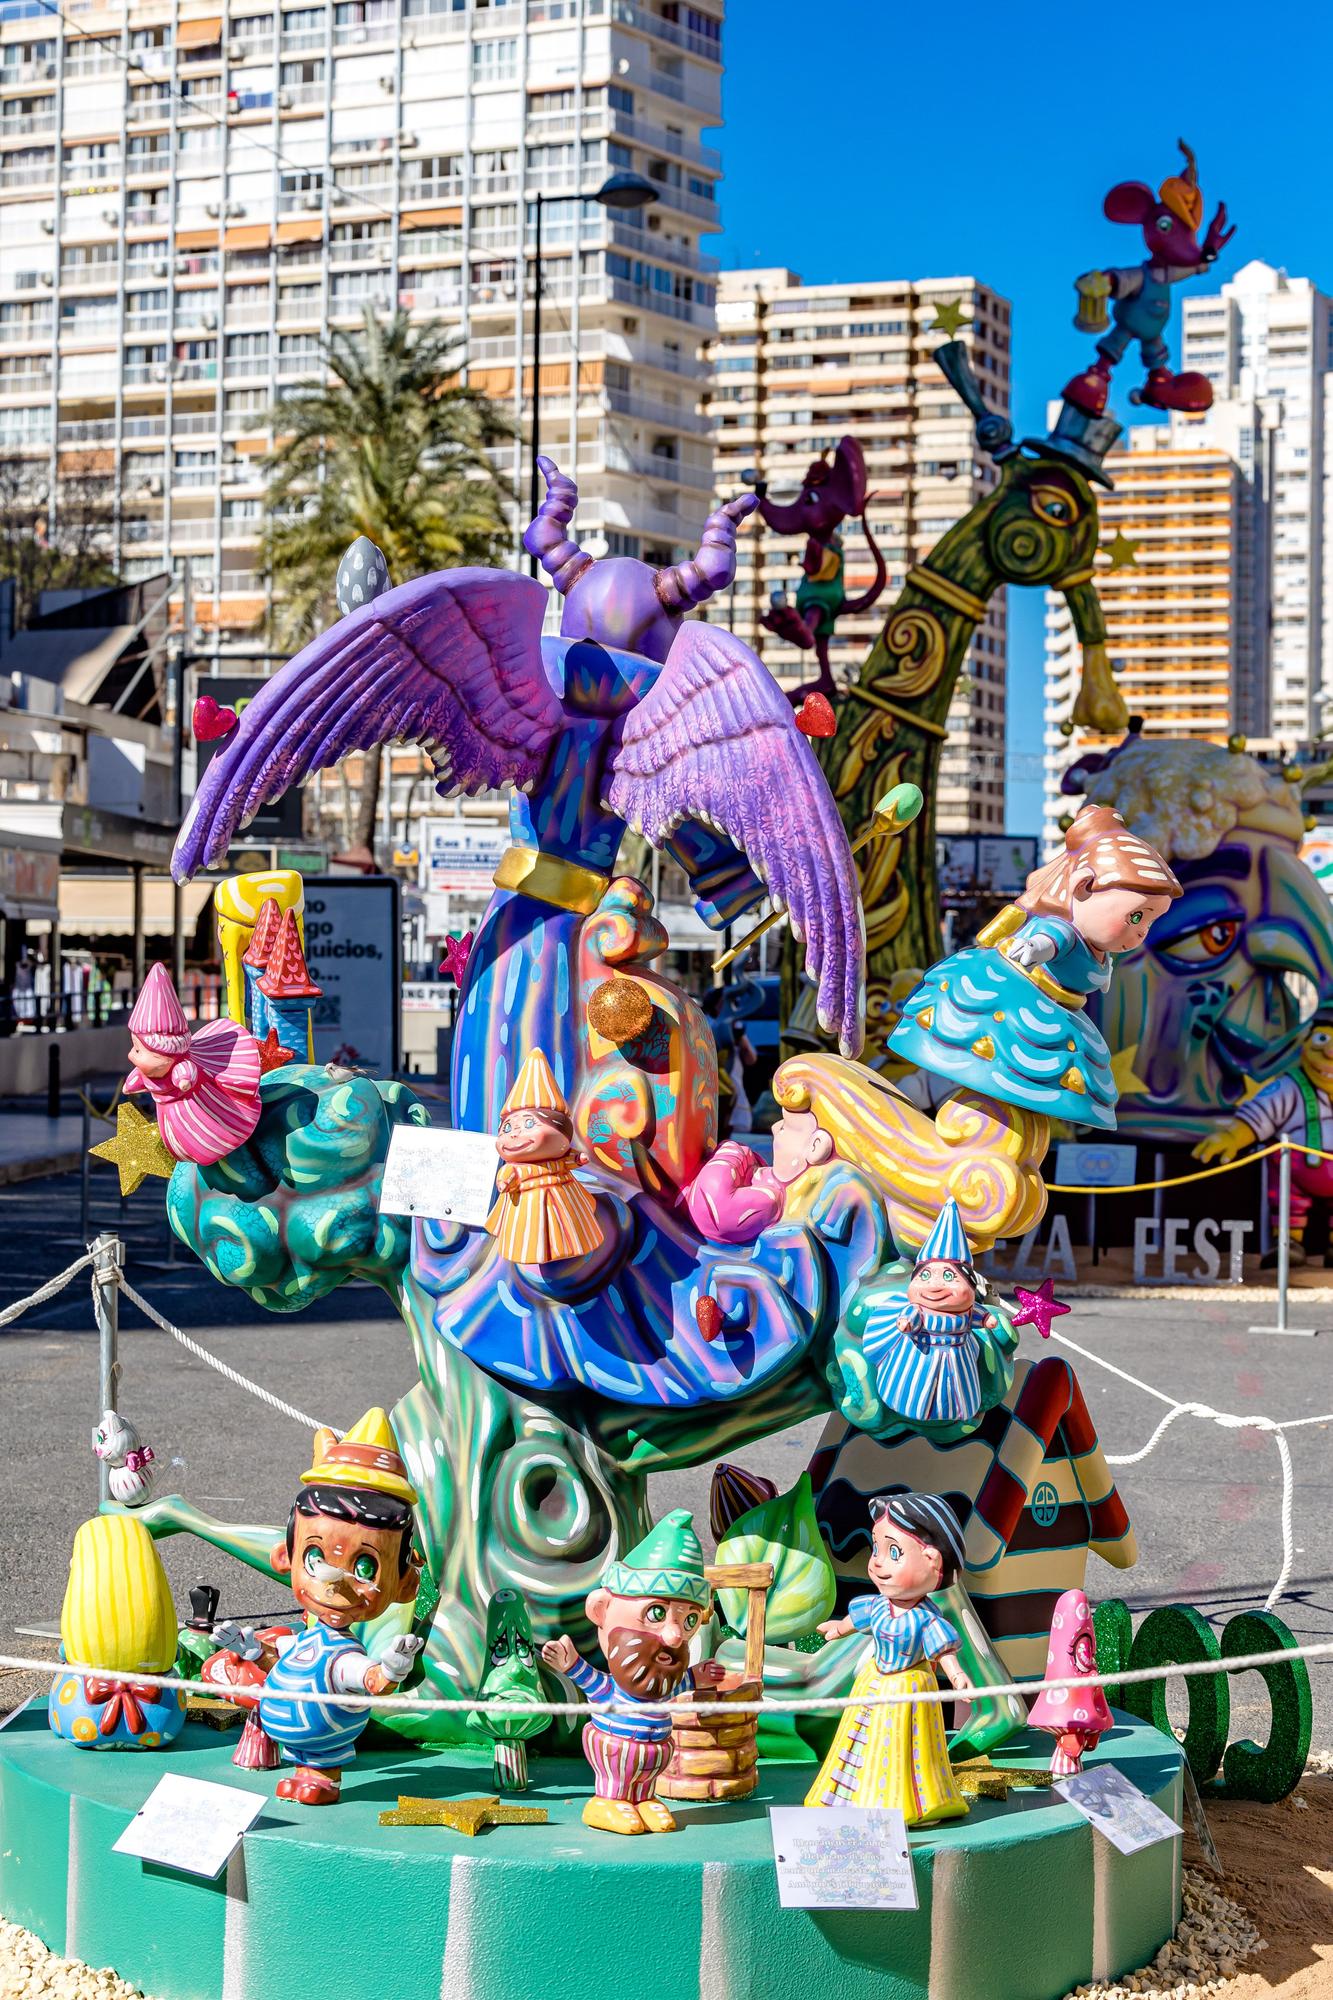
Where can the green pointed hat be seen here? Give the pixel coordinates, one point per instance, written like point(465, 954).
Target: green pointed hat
point(668, 1562)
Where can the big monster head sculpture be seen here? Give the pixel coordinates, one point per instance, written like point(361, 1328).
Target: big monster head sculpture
point(616, 599)
point(1223, 990)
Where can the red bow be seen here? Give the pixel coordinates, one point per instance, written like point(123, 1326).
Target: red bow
point(122, 1700)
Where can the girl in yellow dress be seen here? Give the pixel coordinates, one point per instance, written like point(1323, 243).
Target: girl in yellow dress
point(895, 1755)
point(542, 1214)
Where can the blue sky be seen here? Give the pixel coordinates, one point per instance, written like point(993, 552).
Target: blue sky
point(854, 148)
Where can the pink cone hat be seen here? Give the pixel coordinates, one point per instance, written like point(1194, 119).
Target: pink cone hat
point(1072, 1650)
point(158, 1020)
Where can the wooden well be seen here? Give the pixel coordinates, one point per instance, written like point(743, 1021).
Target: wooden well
point(717, 1756)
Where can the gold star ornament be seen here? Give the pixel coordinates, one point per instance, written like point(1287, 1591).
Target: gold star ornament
point(462, 1815)
point(1127, 1084)
point(1124, 554)
point(137, 1150)
point(949, 317)
point(978, 1778)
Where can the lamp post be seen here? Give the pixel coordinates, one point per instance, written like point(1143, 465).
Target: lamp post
point(619, 191)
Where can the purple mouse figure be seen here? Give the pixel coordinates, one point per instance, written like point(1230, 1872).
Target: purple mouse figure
point(616, 599)
point(1140, 294)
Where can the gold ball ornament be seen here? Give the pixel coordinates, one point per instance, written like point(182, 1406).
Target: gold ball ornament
point(1066, 728)
point(1235, 744)
point(1065, 821)
point(620, 1010)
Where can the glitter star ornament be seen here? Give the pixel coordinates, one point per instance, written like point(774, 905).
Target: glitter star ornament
point(1123, 552)
point(1038, 1308)
point(272, 1055)
point(948, 318)
point(137, 1150)
point(457, 951)
point(462, 1815)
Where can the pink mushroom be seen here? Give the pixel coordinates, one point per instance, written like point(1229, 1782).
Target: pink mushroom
point(1077, 1717)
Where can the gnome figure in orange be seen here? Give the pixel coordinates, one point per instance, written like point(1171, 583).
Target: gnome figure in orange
point(542, 1214)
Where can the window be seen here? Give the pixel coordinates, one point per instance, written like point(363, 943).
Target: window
point(246, 347)
point(619, 98)
point(494, 62)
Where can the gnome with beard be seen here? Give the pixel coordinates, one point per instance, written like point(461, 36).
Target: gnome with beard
point(646, 1611)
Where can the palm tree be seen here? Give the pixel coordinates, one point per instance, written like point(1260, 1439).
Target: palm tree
point(396, 448)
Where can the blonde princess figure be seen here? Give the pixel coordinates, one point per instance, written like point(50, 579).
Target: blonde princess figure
point(895, 1754)
point(542, 1214)
point(1007, 1015)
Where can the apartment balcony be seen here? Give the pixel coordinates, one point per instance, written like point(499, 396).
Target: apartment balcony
point(41, 175)
point(195, 531)
point(26, 382)
point(365, 34)
point(199, 162)
point(138, 324)
point(644, 299)
point(190, 423)
point(24, 124)
point(346, 190)
point(686, 203)
point(309, 364)
point(306, 201)
point(374, 251)
point(631, 15)
point(426, 188)
point(247, 367)
point(629, 403)
point(303, 42)
point(660, 140)
point(208, 105)
point(702, 97)
point(242, 316)
point(95, 62)
point(100, 430)
point(649, 465)
point(149, 110)
point(29, 72)
point(100, 277)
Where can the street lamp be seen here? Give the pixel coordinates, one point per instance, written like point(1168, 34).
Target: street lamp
point(619, 191)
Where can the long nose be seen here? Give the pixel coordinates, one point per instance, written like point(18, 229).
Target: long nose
point(672, 1633)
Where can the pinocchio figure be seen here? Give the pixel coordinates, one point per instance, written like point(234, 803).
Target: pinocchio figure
point(348, 1552)
point(542, 1214)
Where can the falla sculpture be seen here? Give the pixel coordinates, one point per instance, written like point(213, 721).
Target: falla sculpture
point(647, 1323)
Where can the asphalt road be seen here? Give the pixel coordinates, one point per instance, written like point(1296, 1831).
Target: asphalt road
point(1205, 1504)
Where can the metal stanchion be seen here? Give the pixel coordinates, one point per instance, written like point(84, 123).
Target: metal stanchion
point(1284, 1248)
point(108, 1260)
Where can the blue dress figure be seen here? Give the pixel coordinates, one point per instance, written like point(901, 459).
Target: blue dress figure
point(922, 1342)
point(1007, 1015)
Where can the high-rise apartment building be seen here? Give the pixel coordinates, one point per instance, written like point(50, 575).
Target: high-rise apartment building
point(188, 199)
point(796, 367)
point(1265, 337)
point(1183, 580)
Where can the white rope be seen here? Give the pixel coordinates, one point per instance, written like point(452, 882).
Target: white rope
point(212, 1361)
point(1227, 1422)
point(800, 1705)
point(46, 1291)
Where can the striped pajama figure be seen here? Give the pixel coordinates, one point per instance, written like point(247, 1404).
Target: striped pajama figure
point(627, 1753)
point(925, 1362)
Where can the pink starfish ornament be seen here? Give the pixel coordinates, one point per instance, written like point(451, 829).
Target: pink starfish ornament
point(457, 951)
point(1038, 1308)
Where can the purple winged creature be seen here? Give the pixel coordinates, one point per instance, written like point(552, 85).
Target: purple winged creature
point(630, 717)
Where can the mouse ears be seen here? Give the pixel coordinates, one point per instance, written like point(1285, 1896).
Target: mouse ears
point(1129, 201)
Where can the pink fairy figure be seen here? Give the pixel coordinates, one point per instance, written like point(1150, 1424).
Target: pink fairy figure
point(204, 1087)
point(1077, 1717)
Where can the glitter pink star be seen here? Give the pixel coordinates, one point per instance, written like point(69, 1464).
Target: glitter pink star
point(1038, 1308)
point(457, 951)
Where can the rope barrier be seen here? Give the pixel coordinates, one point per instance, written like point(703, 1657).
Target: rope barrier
point(233, 1375)
point(46, 1291)
point(794, 1705)
point(1181, 1180)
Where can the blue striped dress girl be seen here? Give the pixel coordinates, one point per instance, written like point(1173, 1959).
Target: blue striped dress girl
point(925, 1363)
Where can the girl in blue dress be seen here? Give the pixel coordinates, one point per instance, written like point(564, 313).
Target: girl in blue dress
point(1007, 1016)
point(895, 1754)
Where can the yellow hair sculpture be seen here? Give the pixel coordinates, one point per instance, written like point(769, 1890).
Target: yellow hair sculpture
point(986, 1155)
point(118, 1612)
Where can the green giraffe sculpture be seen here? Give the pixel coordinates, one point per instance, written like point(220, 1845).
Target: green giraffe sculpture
point(1037, 528)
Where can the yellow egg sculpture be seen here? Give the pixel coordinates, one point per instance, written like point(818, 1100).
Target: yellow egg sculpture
point(118, 1613)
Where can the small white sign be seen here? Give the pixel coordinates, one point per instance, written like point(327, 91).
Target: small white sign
point(1094, 1163)
point(842, 1858)
point(188, 1824)
point(1113, 1804)
point(441, 1176)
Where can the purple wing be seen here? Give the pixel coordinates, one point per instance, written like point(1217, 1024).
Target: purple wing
point(452, 661)
point(714, 740)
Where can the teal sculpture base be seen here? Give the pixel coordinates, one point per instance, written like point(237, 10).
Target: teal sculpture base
point(1020, 1901)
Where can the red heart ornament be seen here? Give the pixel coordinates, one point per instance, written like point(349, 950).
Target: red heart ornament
point(815, 716)
point(708, 1314)
point(209, 722)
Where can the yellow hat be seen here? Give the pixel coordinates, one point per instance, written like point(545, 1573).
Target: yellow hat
point(535, 1088)
point(367, 1456)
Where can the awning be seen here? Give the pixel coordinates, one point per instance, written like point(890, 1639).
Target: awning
point(103, 905)
point(199, 34)
point(196, 239)
point(305, 230)
point(427, 218)
point(254, 236)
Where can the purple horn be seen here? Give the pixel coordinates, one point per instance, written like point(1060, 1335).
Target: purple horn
point(713, 566)
point(545, 537)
